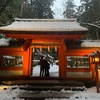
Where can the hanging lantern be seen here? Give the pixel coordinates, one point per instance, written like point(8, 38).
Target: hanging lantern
point(95, 58)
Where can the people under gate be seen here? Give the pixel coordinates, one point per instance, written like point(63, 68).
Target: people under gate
point(44, 67)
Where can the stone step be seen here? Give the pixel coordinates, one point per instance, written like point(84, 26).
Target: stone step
point(44, 83)
point(43, 96)
point(51, 88)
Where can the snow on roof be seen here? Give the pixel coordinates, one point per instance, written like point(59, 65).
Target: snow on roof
point(52, 25)
point(85, 43)
point(4, 42)
point(90, 43)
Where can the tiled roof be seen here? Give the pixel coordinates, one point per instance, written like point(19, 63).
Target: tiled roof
point(44, 25)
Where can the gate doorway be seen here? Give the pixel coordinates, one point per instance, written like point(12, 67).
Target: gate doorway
point(50, 54)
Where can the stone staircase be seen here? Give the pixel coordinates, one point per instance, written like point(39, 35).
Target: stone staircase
point(43, 96)
point(42, 89)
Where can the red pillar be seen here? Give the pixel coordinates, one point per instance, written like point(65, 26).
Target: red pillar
point(92, 68)
point(26, 60)
point(62, 62)
point(30, 65)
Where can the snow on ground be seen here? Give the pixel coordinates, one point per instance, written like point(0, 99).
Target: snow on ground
point(11, 92)
point(7, 93)
point(54, 70)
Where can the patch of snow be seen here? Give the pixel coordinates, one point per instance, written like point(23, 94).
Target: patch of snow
point(90, 44)
point(54, 70)
point(7, 93)
point(11, 92)
point(4, 42)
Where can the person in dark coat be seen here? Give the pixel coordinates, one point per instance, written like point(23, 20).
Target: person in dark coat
point(42, 66)
point(47, 67)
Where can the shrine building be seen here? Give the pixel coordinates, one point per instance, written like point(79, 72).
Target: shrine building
point(60, 39)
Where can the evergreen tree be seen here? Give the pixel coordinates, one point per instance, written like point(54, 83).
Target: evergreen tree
point(91, 17)
point(3, 4)
point(70, 9)
point(10, 11)
point(24, 9)
point(37, 9)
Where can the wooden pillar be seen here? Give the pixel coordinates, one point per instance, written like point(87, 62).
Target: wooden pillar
point(97, 78)
point(93, 71)
point(26, 63)
point(92, 68)
point(62, 62)
point(27, 44)
point(30, 61)
point(1, 60)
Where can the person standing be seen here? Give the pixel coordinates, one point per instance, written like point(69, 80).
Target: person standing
point(47, 67)
point(42, 69)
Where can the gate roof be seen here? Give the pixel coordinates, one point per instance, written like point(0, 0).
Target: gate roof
point(44, 25)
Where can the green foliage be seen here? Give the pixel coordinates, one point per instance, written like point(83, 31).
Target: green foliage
point(1, 36)
point(10, 11)
point(3, 4)
point(25, 9)
point(37, 9)
point(91, 17)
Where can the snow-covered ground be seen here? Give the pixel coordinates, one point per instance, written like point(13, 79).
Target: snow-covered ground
point(54, 70)
point(11, 92)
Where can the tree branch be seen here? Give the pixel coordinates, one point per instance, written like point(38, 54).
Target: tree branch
point(90, 24)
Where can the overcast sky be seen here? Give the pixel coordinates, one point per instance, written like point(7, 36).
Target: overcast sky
point(77, 2)
point(58, 8)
